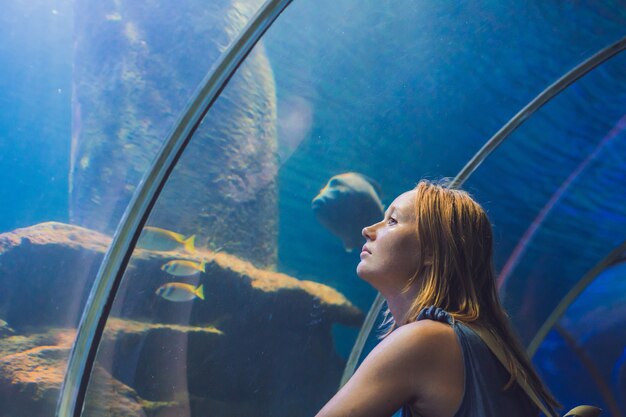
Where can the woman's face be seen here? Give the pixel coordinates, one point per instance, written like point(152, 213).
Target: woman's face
point(390, 255)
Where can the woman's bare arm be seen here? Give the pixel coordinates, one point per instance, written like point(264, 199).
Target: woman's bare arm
point(393, 374)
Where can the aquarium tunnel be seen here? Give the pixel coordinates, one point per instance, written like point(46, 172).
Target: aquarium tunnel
point(179, 183)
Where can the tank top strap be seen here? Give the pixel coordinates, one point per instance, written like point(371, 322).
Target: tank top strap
point(437, 314)
point(484, 375)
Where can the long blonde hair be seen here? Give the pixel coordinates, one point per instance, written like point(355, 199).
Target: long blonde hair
point(456, 273)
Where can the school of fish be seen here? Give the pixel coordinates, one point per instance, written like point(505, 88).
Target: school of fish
point(157, 239)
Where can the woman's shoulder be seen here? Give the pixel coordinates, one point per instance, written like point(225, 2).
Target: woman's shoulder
point(425, 343)
point(423, 331)
point(409, 366)
point(433, 350)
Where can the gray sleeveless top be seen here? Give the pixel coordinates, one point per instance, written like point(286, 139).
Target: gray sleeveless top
point(484, 376)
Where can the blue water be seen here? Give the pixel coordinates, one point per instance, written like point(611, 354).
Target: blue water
point(35, 121)
point(398, 91)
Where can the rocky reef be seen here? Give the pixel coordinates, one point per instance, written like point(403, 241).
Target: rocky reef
point(259, 343)
point(32, 368)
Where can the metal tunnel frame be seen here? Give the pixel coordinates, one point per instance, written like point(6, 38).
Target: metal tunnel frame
point(611, 259)
point(546, 95)
point(100, 301)
point(102, 295)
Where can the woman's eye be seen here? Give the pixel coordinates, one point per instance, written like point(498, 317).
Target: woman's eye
point(391, 219)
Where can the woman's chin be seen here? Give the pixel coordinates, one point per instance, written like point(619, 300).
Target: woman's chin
point(362, 271)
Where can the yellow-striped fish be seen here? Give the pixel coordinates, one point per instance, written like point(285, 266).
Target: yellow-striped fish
point(178, 291)
point(183, 268)
point(155, 238)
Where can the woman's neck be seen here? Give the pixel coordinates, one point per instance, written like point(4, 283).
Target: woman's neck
point(400, 302)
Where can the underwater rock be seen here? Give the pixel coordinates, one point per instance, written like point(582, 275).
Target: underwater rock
point(136, 64)
point(5, 330)
point(46, 272)
point(276, 354)
point(261, 340)
point(109, 397)
point(127, 339)
point(32, 368)
point(231, 283)
point(58, 284)
point(31, 372)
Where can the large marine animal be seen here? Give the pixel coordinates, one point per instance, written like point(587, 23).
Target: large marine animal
point(348, 202)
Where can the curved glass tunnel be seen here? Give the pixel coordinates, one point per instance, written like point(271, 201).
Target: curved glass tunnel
point(240, 296)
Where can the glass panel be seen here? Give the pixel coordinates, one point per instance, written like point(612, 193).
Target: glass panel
point(135, 66)
point(203, 322)
point(558, 201)
point(37, 286)
point(260, 317)
point(584, 357)
point(88, 92)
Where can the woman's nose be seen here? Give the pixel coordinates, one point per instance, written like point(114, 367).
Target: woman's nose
point(367, 234)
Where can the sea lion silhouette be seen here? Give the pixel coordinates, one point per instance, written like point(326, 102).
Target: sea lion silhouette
point(347, 203)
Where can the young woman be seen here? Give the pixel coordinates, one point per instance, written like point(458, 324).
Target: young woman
point(431, 258)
